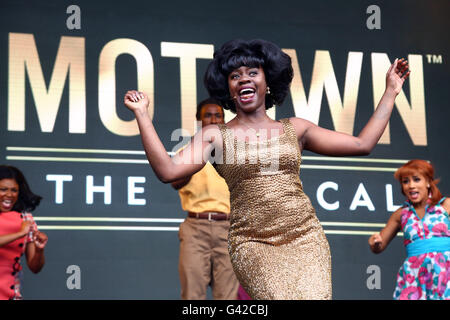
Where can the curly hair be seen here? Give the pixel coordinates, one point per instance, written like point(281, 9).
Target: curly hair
point(253, 53)
point(424, 168)
point(27, 200)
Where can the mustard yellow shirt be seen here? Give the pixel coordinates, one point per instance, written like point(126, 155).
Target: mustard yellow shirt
point(206, 191)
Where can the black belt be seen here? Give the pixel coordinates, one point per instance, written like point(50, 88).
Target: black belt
point(209, 215)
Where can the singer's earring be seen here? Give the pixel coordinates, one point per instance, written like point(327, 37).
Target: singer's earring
point(267, 90)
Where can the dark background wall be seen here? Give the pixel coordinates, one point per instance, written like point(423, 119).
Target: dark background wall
point(138, 258)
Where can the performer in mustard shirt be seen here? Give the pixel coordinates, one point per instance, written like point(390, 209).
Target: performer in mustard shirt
point(204, 258)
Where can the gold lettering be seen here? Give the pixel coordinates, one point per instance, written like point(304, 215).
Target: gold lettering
point(342, 113)
point(188, 53)
point(413, 116)
point(23, 57)
point(107, 83)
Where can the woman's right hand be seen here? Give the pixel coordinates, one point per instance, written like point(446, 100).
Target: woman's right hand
point(136, 101)
point(25, 227)
point(375, 242)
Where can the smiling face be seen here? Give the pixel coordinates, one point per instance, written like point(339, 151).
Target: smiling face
point(415, 186)
point(9, 193)
point(248, 87)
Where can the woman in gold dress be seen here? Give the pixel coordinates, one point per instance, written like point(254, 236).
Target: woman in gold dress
point(277, 246)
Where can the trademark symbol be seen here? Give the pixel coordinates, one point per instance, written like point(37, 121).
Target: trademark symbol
point(434, 59)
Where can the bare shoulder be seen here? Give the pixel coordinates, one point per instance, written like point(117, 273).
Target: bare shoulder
point(395, 222)
point(446, 204)
point(300, 125)
point(298, 121)
point(397, 215)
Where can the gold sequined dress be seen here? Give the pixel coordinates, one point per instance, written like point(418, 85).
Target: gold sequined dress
point(277, 246)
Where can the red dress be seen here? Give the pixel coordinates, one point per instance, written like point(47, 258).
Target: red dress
point(10, 254)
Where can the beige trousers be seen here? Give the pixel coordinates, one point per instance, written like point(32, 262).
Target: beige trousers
point(204, 260)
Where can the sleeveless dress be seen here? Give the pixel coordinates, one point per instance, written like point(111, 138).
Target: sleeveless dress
point(425, 274)
point(10, 254)
point(276, 243)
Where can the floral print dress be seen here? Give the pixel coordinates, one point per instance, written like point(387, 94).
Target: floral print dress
point(425, 273)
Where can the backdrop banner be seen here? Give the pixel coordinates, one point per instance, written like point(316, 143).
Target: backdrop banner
point(112, 225)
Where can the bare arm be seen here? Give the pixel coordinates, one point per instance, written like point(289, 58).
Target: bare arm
point(332, 143)
point(35, 252)
point(379, 241)
point(185, 163)
point(178, 184)
point(446, 205)
point(7, 238)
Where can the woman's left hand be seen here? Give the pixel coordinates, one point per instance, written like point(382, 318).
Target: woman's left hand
point(396, 75)
point(40, 239)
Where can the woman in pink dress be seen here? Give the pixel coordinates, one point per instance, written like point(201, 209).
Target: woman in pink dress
point(18, 231)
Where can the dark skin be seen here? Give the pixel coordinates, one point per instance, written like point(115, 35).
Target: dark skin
point(9, 194)
point(251, 113)
point(209, 114)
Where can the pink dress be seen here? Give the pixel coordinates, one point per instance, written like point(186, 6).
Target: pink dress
point(10, 254)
